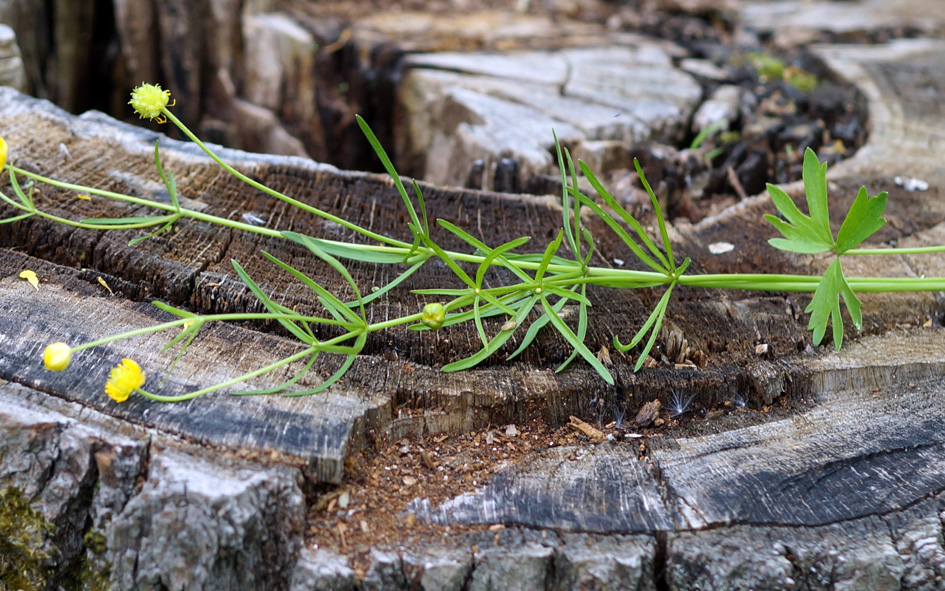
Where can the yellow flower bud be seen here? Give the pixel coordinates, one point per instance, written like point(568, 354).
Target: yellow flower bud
point(434, 315)
point(57, 356)
point(149, 100)
point(3, 152)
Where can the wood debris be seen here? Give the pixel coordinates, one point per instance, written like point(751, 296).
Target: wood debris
point(648, 413)
point(592, 433)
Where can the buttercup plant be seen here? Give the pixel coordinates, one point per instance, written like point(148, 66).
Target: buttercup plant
point(543, 283)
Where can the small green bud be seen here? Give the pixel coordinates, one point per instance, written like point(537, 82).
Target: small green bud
point(434, 315)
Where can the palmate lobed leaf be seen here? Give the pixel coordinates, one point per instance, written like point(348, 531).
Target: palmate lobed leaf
point(863, 220)
point(825, 305)
point(811, 234)
point(801, 233)
point(815, 186)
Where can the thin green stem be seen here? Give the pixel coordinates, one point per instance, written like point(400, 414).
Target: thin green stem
point(211, 318)
point(281, 196)
point(231, 382)
point(882, 251)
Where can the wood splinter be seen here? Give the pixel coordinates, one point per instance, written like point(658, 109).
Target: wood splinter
point(592, 433)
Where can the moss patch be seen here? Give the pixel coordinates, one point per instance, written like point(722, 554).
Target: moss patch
point(22, 531)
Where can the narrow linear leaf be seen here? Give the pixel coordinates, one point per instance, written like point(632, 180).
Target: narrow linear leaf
point(191, 334)
point(629, 219)
point(269, 304)
point(380, 292)
point(659, 313)
point(661, 222)
point(327, 299)
point(661, 305)
point(167, 178)
point(389, 167)
point(457, 270)
point(477, 316)
point(565, 205)
point(495, 302)
point(496, 253)
point(357, 254)
point(466, 237)
point(423, 207)
point(16, 218)
point(582, 328)
point(576, 217)
point(440, 292)
point(546, 258)
point(27, 200)
point(345, 366)
point(172, 310)
point(536, 326)
point(494, 345)
point(569, 294)
point(310, 244)
point(163, 228)
point(185, 332)
point(579, 346)
point(622, 234)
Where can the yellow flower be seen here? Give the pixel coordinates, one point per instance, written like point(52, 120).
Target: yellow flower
point(3, 152)
point(149, 100)
point(57, 356)
point(125, 378)
point(434, 315)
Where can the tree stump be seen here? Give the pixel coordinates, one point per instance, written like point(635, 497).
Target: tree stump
point(838, 486)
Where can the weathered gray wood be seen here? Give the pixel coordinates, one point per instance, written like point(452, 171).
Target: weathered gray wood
point(459, 111)
point(317, 431)
point(844, 495)
point(569, 489)
point(165, 516)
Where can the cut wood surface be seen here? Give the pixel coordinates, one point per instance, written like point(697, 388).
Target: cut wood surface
point(845, 492)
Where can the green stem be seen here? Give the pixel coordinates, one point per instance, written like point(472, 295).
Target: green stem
point(881, 251)
point(281, 196)
point(231, 382)
point(211, 318)
point(395, 322)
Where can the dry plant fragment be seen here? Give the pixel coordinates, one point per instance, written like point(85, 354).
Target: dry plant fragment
point(31, 278)
point(648, 413)
point(592, 433)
